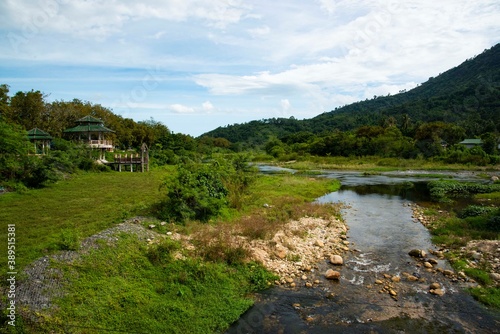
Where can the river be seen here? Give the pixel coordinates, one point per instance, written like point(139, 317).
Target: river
point(381, 233)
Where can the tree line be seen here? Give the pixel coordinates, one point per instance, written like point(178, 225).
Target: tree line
point(433, 140)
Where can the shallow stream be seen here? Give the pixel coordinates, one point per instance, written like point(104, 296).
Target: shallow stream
point(381, 233)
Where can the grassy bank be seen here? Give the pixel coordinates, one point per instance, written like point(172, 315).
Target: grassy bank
point(455, 228)
point(132, 286)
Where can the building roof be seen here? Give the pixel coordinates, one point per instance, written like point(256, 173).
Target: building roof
point(37, 134)
point(88, 128)
point(88, 124)
point(471, 142)
point(90, 119)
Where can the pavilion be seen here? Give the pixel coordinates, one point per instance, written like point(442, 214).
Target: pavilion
point(91, 131)
point(40, 139)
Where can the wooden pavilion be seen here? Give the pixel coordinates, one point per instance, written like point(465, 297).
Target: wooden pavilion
point(91, 131)
point(41, 141)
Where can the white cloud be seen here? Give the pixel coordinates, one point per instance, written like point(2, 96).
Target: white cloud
point(285, 104)
point(259, 31)
point(181, 109)
point(207, 106)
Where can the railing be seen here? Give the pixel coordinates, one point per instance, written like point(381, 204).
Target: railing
point(133, 158)
point(101, 143)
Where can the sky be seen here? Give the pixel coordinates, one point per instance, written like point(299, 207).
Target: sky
point(196, 65)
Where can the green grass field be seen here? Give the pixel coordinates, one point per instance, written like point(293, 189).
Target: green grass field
point(84, 204)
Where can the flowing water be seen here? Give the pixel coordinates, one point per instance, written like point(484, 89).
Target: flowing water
point(382, 232)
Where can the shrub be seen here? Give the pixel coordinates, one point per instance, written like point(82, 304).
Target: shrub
point(197, 193)
point(474, 211)
point(441, 190)
point(69, 240)
point(493, 224)
point(163, 252)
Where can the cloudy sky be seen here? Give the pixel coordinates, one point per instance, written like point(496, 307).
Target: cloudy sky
point(195, 65)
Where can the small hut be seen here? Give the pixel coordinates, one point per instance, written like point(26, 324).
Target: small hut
point(92, 131)
point(40, 139)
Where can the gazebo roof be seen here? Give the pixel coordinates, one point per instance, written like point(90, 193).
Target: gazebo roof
point(88, 128)
point(89, 119)
point(88, 124)
point(37, 134)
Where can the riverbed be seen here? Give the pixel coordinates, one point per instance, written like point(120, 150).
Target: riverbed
point(374, 293)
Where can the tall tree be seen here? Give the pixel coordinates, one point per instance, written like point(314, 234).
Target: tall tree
point(27, 109)
point(4, 99)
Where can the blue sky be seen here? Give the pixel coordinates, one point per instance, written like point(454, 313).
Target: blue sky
point(195, 65)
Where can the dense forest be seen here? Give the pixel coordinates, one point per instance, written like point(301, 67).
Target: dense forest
point(467, 96)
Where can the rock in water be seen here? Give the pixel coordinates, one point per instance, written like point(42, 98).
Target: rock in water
point(437, 292)
point(336, 260)
point(417, 253)
point(332, 274)
point(435, 286)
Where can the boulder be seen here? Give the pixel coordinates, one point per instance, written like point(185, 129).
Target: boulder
point(332, 274)
point(448, 272)
point(336, 260)
point(495, 276)
point(412, 278)
point(437, 292)
point(319, 243)
point(435, 286)
point(417, 253)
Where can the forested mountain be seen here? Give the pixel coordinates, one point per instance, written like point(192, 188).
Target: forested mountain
point(467, 95)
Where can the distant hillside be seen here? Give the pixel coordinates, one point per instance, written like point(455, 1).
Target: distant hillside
point(467, 95)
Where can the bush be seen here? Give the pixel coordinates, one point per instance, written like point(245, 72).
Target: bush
point(441, 190)
point(474, 211)
point(69, 240)
point(493, 224)
point(163, 252)
point(197, 193)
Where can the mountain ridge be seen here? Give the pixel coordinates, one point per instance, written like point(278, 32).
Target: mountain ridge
point(467, 95)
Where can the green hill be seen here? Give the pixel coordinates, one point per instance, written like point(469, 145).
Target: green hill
point(467, 95)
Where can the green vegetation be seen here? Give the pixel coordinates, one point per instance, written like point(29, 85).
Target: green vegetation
point(203, 191)
point(455, 227)
point(442, 190)
point(146, 290)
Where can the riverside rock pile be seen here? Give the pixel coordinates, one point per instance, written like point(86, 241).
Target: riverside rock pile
point(477, 253)
point(293, 252)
